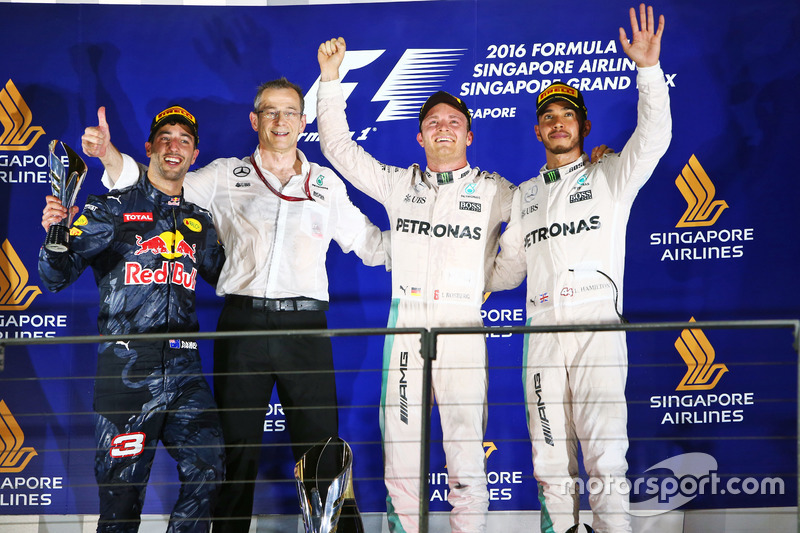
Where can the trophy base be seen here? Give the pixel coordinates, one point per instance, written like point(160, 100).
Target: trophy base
point(350, 518)
point(57, 238)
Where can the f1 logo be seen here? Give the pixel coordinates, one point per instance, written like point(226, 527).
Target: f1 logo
point(352, 61)
point(416, 76)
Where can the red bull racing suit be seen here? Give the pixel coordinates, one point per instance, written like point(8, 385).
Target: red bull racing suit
point(444, 239)
point(146, 250)
point(567, 233)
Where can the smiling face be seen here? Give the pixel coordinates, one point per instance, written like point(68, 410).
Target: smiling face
point(562, 129)
point(444, 134)
point(280, 133)
point(171, 154)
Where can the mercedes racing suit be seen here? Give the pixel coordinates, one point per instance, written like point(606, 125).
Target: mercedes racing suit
point(146, 249)
point(275, 278)
point(567, 233)
point(444, 238)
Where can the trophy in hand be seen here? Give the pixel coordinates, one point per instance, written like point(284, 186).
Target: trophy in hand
point(65, 183)
point(326, 470)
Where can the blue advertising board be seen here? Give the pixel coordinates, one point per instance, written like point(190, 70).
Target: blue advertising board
point(698, 244)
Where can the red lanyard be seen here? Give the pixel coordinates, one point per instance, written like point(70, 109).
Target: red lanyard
point(278, 194)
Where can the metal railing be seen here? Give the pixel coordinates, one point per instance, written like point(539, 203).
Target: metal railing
point(428, 351)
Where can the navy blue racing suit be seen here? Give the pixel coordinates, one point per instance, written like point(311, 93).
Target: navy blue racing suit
point(146, 250)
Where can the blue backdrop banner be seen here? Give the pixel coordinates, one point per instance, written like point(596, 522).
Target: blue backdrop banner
point(698, 245)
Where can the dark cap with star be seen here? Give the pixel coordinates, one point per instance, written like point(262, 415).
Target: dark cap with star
point(442, 97)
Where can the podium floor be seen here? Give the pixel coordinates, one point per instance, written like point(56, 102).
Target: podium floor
point(763, 520)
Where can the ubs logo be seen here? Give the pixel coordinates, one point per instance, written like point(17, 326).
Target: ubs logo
point(414, 199)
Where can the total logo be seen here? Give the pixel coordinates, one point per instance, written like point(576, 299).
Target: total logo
point(703, 210)
point(702, 374)
point(419, 73)
point(18, 490)
point(501, 484)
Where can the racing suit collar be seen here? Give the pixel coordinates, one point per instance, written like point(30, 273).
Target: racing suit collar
point(552, 175)
point(158, 197)
point(444, 178)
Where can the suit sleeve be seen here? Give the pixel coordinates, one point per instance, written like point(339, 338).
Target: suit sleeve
point(629, 170)
point(510, 266)
point(90, 235)
point(353, 162)
point(213, 256)
point(354, 232)
point(128, 176)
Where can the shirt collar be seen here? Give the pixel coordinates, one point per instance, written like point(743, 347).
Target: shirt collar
point(304, 167)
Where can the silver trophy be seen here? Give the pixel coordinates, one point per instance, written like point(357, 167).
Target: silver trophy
point(328, 464)
point(65, 183)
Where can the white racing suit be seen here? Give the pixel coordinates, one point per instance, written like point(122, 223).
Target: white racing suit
point(568, 235)
point(444, 238)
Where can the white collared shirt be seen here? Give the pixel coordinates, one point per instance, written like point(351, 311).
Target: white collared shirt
point(276, 248)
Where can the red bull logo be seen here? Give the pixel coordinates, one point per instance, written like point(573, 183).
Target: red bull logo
point(184, 249)
point(169, 245)
point(168, 272)
point(154, 245)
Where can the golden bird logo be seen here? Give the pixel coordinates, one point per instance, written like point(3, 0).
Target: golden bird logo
point(698, 354)
point(698, 190)
point(13, 457)
point(15, 293)
point(16, 118)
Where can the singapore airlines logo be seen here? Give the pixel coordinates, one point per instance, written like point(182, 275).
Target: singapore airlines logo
point(15, 293)
point(698, 191)
point(16, 118)
point(13, 457)
point(698, 354)
point(419, 73)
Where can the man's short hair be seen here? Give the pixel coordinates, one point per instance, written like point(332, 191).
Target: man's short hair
point(280, 83)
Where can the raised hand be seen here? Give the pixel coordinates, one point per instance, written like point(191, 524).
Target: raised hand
point(330, 55)
point(644, 47)
point(96, 139)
